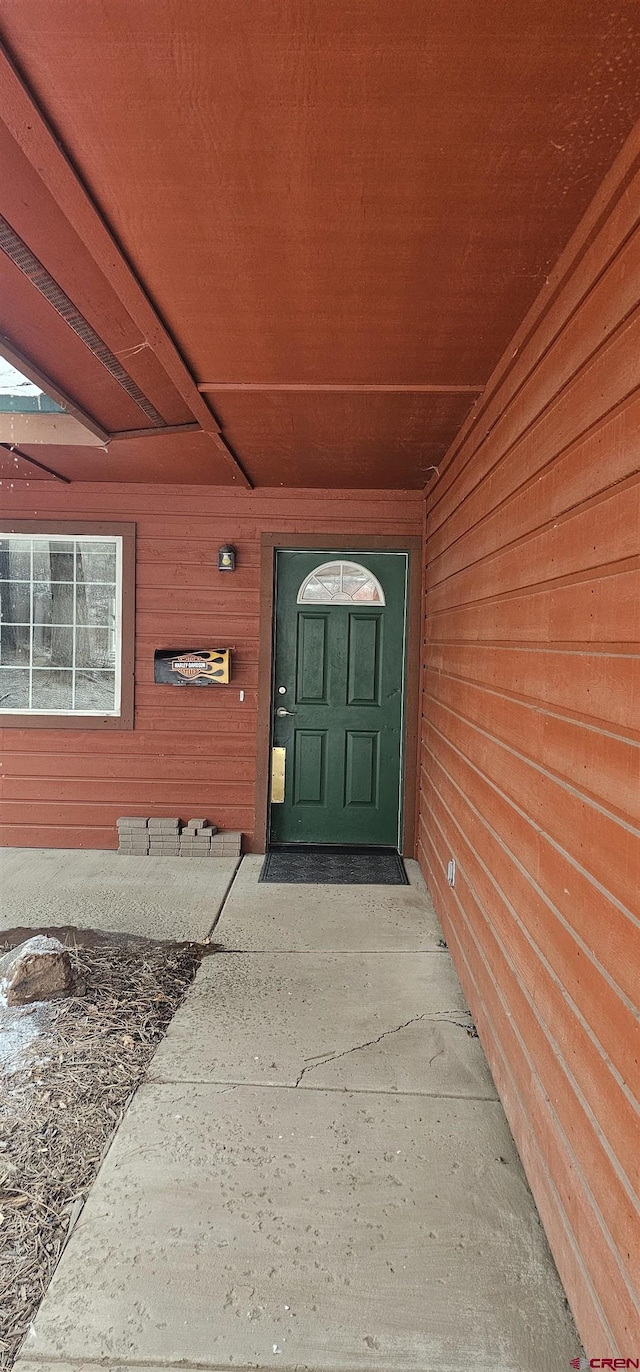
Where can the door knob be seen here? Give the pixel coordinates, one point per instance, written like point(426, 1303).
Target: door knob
point(281, 712)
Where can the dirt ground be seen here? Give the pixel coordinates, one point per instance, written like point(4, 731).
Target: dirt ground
point(67, 1072)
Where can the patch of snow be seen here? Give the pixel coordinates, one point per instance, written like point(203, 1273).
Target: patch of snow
point(40, 943)
point(21, 1027)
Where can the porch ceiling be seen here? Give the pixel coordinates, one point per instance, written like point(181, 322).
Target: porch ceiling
point(335, 214)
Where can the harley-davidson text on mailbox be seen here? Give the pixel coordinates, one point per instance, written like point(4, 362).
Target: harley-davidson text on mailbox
point(191, 666)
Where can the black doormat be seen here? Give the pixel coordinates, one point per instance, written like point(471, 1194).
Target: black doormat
point(329, 866)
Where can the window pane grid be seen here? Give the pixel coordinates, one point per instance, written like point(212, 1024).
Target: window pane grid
point(31, 618)
point(73, 661)
point(75, 619)
point(340, 583)
point(87, 581)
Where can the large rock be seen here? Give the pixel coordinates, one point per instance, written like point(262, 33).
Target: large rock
point(39, 969)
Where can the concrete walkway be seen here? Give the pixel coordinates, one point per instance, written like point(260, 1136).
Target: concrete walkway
point(317, 1173)
point(168, 898)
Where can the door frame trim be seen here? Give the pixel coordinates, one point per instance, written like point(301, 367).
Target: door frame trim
point(270, 543)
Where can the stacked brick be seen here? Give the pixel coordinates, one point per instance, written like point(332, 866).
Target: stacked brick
point(164, 837)
point(226, 845)
point(141, 837)
point(195, 839)
point(133, 835)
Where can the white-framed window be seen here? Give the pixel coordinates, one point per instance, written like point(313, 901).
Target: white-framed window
point(341, 583)
point(61, 624)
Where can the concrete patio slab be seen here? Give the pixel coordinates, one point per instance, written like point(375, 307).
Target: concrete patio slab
point(294, 918)
point(318, 1173)
point(272, 1227)
point(357, 1021)
point(159, 898)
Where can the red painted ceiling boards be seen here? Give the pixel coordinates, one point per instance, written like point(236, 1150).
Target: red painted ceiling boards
point(310, 192)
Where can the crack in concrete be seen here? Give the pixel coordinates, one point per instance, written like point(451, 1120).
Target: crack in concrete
point(333, 1057)
point(441, 1016)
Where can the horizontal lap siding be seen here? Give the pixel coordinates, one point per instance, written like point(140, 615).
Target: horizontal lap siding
point(192, 751)
point(530, 758)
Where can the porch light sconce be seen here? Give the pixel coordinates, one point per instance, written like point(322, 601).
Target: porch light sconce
point(227, 558)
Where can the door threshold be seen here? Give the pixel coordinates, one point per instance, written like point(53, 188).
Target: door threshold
point(332, 848)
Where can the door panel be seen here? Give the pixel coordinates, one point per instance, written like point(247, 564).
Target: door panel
point(361, 770)
point(310, 767)
point(338, 695)
point(311, 674)
point(364, 658)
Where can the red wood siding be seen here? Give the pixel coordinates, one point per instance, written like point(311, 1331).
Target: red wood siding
point(530, 769)
point(191, 752)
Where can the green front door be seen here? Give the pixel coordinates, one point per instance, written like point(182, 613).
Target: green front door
point(338, 694)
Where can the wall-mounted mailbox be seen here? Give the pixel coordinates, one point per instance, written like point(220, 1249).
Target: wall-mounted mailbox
point(191, 666)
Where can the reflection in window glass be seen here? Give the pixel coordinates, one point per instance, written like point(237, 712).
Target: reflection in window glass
point(14, 689)
point(51, 558)
point(52, 690)
point(95, 648)
point(19, 561)
point(52, 646)
point(95, 605)
point(15, 602)
point(94, 690)
point(16, 644)
point(336, 583)
point(96, 566)
point(60, 605)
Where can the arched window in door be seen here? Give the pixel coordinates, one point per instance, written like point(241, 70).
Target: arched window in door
point(341, 583)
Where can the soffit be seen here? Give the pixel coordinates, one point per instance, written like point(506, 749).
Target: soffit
point(363, 192)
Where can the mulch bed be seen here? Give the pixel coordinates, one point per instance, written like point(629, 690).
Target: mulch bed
point(59, 1110)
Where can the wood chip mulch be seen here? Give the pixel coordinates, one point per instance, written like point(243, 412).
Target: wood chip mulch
point(58, 1113)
